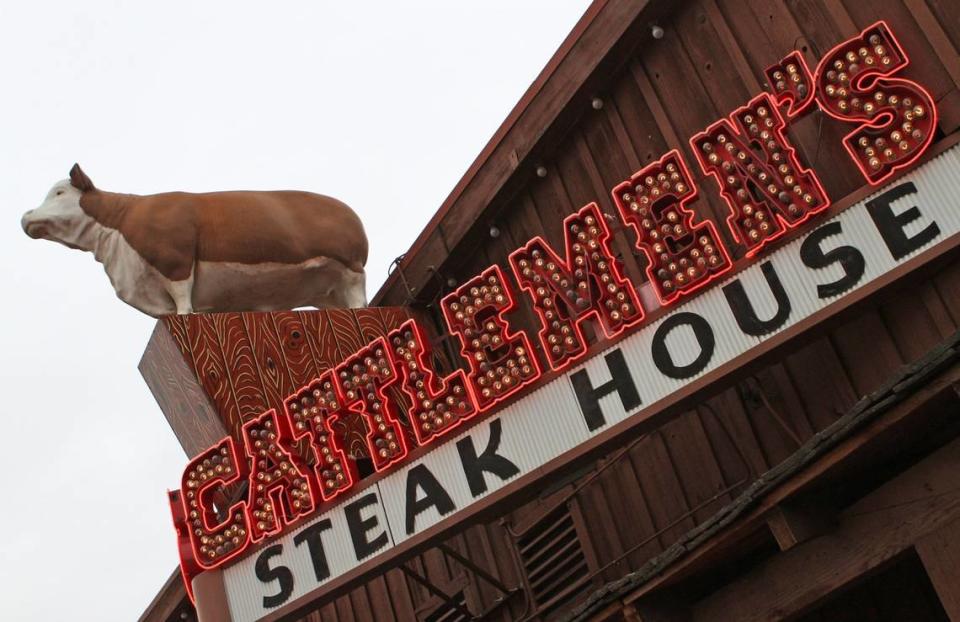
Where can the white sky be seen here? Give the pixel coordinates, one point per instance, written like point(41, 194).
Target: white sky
point(383, 105)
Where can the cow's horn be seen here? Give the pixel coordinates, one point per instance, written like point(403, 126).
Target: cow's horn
point(79, 179)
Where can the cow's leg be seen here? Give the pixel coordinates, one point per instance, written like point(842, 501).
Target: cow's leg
point(182, 294)
point(353, 292)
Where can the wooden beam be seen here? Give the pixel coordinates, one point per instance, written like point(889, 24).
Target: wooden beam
point(899, 514)
point(171, 598)
point(792, 524)
point(660, 608)
point(940, 554)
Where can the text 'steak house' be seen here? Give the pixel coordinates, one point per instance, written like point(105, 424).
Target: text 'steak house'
point(681, 345)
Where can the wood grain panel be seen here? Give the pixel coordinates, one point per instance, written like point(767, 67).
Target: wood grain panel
point(268, 355)
point(212, 369)
point(320, 339)
point(173, 384)
point(297, 356)
point(235, 345)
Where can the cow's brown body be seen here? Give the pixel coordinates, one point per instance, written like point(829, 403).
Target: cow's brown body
point(173, 231)
point(180, 252)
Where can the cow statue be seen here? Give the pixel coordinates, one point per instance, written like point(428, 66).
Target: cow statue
point(180, 252)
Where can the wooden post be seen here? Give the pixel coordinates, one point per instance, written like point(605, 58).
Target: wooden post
point(940, 554)
point(794, 524)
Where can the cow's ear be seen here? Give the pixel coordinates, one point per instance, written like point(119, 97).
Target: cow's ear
point(79, 179)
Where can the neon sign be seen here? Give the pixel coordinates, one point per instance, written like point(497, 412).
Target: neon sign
point(768, 190)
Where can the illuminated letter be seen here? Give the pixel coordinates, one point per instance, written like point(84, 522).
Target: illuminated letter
point(437, 404)
point(763, 183)
point(897, 117)
point(312, 411)
point(280, 484)
point(500, 361)
point(363, 380)
point(791, 84)
point(214, 541)
point(681, 256)
point(585, 283)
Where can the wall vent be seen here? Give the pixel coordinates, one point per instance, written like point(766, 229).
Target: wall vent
point(553, 560)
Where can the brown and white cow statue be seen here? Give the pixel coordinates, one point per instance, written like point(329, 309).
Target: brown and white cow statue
point(180, 252)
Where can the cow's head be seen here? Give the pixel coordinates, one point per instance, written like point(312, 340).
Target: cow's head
point(60, 217)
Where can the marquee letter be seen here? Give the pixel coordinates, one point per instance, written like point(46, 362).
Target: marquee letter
point(891, 225)
point(363, 379)
point(313, 536)
point(744, 311)
point(621, 381)
point(360, 527)
point(281, 489)
point(489, 461)
point(420, 478)
point(500, 360)
point(791, 84)
point(897, 117)
point(437, 404)
point(312, 411)
point(281, 574)
point(766, 188)
point(850, 259)
point(681, 256)
point(584, 283)
point(702, 332)
point(213, 541)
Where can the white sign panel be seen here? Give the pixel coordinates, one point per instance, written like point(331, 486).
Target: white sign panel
point(835, 258)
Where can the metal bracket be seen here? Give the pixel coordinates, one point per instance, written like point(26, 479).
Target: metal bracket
point(433, 589)
point(475, 569)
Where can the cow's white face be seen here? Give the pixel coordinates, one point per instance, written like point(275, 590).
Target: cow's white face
point(60, 218)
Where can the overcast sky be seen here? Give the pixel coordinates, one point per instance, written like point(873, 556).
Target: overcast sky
point(383, 105)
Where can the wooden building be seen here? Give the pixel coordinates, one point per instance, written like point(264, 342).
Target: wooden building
point(812, 476)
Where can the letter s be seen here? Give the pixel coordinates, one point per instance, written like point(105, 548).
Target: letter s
point(897, 117)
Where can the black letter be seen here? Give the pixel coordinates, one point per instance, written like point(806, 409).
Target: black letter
point(621, 382)
point(311, 535)
point(360, 527)
point(704, 335)
point(489, 461)
point(851, 260)
point(891, 225)
point(744, 312)
point(420, 477)
point(280, 573)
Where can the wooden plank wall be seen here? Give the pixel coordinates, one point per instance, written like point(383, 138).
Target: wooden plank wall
point(709, 62)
